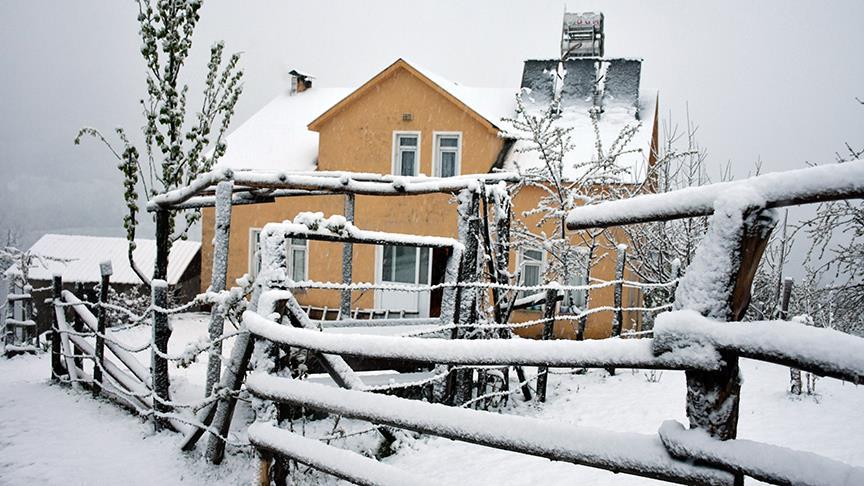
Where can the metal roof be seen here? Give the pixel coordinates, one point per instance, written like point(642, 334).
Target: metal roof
point(85, 253)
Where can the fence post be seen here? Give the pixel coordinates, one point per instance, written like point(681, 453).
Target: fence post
point(620, 256)
point(158, 348)
point(794, 373)
point(27, 305)
point(548, 331)
point(347, 261)
point(56, 362)
point(218, 281)
point(713, 397)
point(105, 271)
point(461, 383)
point(78, 324)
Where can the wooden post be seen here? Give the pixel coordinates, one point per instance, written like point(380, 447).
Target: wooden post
point(461, 383)
point(218, 280)
point(56, 360)
point(620, 256)
point(159, 345)
point(105, 271)
point(548, 331)
point(78, 325)
point(794, 373)
point(713, 398)
point(163, 244)
point(347, 261)
point(161, 331)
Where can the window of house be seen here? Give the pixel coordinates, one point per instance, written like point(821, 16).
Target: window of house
point(298, 259)
point(577, 298)
point(297, 256)
point(405, 264)
point(531, 266)
point(406, 156)
point(448, 148)
point(254, 251)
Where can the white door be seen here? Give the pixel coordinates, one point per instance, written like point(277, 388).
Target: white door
point(403, 266)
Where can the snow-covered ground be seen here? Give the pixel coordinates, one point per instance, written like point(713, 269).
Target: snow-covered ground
point(52, 435)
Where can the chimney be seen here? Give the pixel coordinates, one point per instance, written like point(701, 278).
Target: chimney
point(300, 81)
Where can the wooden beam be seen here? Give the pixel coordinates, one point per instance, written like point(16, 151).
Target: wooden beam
point(823, 183)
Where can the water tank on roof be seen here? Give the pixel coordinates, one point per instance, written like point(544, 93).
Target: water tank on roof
point(582, 35)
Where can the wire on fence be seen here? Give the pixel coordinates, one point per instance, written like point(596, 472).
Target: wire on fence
point(310, 284)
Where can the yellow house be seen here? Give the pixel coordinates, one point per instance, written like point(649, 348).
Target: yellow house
point(405, 121)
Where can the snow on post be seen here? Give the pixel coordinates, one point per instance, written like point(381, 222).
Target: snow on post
point(158, 349)
point(347, 260)
point(717, 285)
point(218, 280)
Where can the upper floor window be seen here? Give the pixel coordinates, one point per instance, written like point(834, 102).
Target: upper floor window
point(406, 153)
point(448, 148)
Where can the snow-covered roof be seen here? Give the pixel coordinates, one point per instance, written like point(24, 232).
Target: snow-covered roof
point(276, 137)
point(86, 252)
point(493, 104)
point(613, 120)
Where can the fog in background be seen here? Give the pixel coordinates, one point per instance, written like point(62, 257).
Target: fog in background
point(774, 80)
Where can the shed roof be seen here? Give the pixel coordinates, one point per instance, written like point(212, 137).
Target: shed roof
point(86, 252)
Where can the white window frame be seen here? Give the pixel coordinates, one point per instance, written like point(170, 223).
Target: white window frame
point(254, 253)
point(436, 136)
point(586, 266)
point(396, 164)
point(379, 265)
point(521, 264)
point(289, 248)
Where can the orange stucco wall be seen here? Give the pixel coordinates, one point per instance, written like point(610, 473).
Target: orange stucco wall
point(359, 138)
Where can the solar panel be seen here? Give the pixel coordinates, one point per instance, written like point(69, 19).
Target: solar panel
point(539, 77)
point(621, 85)
point(579, 82)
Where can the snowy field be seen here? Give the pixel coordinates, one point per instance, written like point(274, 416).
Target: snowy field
point(53, 435)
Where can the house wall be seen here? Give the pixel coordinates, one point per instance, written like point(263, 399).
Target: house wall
point(362, 133)
point(359, 138)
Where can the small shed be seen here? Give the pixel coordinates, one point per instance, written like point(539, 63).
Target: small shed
point(77, 258)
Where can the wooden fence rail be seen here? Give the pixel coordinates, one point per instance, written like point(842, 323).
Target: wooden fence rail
point(701, 338)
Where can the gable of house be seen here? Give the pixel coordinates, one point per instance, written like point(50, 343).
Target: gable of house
point(359, 133)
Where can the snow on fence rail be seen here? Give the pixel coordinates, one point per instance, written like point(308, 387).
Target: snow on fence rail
point(631, 453)
point(338, 462)
point(123, 377)
point(765, 462)
point(824, 352)
point(718, 284)
point(248, 185)
point(611, 353)
point(777, 189)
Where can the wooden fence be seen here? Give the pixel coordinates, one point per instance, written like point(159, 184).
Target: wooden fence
point(697, 337)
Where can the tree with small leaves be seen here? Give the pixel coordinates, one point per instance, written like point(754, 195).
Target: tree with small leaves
point(178, 145)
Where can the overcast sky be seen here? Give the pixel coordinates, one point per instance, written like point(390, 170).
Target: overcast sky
point(772, 80)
